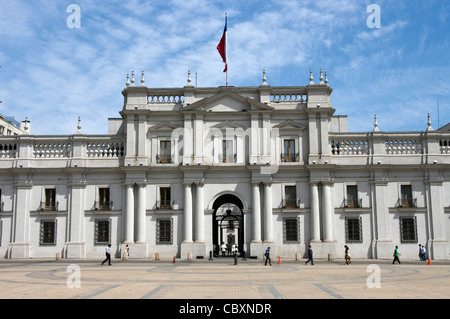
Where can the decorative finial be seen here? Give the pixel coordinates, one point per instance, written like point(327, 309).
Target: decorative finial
point(189, 78)
point(264, 78)
point(128, 80)
point(79, 126)
point(326, 78)
point(321, 77)
point(132, 78)
point(429, 128)
point(311, 79)
point(375, 124)
point(142, 79)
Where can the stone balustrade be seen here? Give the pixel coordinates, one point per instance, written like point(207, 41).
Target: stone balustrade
point(165, 96)
point(389, 143)
point(288, 96)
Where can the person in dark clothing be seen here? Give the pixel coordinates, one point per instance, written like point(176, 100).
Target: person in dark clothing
point(310, 256)
point(267, 254)
point(108, 255)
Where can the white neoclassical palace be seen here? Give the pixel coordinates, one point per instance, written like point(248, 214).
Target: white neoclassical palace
point(184, 170)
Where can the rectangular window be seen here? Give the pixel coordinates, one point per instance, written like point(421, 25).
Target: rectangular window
point(165, 155)
point(289, 151)
point(48, 233)
point(227, 151)
point(408, 230)
point(406, 193)
point(50, 199)
point(164, 231)
point(352, 196)
point(353, 229)
point(103, 199)
point(102, 232)
point(290, 195)
point(164, 196)
point(291, 230)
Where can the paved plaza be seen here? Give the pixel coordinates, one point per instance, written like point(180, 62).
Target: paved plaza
point(223, 279)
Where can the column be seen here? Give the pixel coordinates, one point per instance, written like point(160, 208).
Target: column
point(141, 215)
point(382, 241)
point(314, 214)
point(199, 215)
point(327, 214)
point(268, 224)
point(187, 231)
point(256, 214)
point(20, 246)
point(437, 237)
point(129, 215)
point(75, 247)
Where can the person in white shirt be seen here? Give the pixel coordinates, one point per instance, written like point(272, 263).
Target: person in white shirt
point(108, 255)
point(223, 248)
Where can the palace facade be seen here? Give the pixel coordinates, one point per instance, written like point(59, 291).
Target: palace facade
point(186, 169)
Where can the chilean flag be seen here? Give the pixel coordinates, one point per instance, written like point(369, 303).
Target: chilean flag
point(222, 46)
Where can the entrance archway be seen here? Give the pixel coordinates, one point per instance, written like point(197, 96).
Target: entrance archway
point(228, 223)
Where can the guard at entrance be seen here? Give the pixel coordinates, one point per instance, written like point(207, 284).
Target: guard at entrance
point(267, 255)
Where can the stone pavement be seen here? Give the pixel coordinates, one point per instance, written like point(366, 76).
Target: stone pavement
point(222, 279)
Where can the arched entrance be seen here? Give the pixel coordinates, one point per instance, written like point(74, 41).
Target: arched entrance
point(228, 223)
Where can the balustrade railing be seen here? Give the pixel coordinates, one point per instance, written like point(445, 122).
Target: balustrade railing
point(62, 149)
point(163, 96)
point(404, 146)
point(288, 96)
point(350, 146)
point(444, 146)
point(8, 150)
point(105, 149)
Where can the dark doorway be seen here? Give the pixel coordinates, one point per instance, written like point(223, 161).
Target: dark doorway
point(228, 223)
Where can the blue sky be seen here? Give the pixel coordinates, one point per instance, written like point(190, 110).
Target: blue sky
point(52, 73)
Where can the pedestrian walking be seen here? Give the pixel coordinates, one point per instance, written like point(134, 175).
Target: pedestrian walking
point(347, 256)
point(396, 254)
point(267, 255)
point(424, 253)
point(108, 255)
point(223, 248)
point(310, 256)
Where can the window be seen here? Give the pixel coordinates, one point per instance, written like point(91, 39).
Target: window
point(227, 151)
point(164, 231)
point(102, 234)
point(352, 196)
point(165, 152)
point(164, 196)
point(289, 151)
point(408, 230)
point(50, 199)
point(48, 233)
point(291, 230)
point(406, 193)
point(353, 230)
point(103, 199)
point(290, 195)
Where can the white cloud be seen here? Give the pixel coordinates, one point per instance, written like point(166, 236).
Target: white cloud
point(53, 74)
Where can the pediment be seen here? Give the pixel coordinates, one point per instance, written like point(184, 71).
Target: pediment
point(163, 126)
point(227, 124)
point(227, 102)
point(290, 125)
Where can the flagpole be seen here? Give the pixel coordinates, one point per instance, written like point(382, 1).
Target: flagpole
point(226, 48)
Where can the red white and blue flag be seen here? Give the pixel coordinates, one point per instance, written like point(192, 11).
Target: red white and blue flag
point(222, 46)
